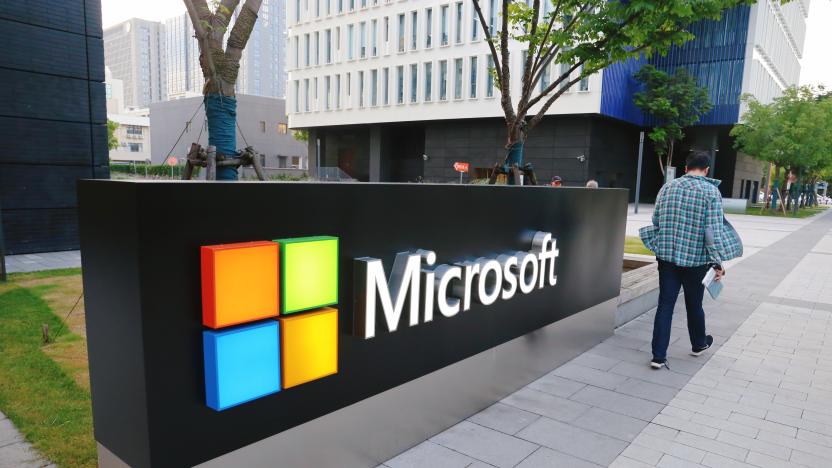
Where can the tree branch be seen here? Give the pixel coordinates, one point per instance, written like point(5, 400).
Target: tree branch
point(530, 54)
point(505, 81)
point(221, 18)
point(542, 112)
point(238, 38)
point(486, 33)
point(546, 35)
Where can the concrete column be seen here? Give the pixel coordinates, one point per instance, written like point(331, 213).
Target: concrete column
point(375, 153)
point(314, 159)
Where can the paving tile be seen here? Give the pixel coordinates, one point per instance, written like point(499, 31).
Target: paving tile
point(545, 404)
point(685, 426)
point(720, 446)
point(746, 444)
point(429, 455)
point(670, 447)
point(626, 462)
point(618, 403)
point(565, 438)
point(647, 390)
point(812, 461)
point(642, 454)
point(590, 376)
point(763, 424)
point(548, 458)
point(644, 372)
point(485, 444)
point(609, 423)
point(796, 444)
point(724, 425)
point(556, 385)
point(713, 460)
point(595, 361)
point(669, 461)
point(504, 418)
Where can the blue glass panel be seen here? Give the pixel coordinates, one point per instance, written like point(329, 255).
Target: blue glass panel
point(241, 363)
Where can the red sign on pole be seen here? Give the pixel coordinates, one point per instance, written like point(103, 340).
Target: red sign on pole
point(461, 166)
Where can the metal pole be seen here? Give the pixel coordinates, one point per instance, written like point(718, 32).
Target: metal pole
point(3, 276)
point(460, 177)
point(638, 174)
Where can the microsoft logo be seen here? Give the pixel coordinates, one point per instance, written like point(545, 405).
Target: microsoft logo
point(268, 309)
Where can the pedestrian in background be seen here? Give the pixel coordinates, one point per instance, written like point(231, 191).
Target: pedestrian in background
point(689, 235)
point(591, 183)
point(556, 182)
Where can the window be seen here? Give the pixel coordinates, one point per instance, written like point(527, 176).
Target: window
point(317, 8)
point(458, 29)
point(328, 7)
point(282, 129)
point(306, 95)
point(297, 96)
point(443, 80)
point(473, 86)
point(414, 29)
point(428, 27)
point(328, 46)
point(134, 130)
point(400, 84)
point(386, 37)
point(297, 11)
point(385, 83)
point(374, 87)
point(458, 78)
point(315, 93)
point(306, 47)
point(349, 89)
point(282, 162)
point(326, 93)
point(401, 32)
point(297, 53)
point(316, 53)
point(263, 126)
point(475, 24)
point(337, 91)
point(428, 81)
point(374, 38)
point(361, 89)
point(492, 20)
point(296, 162)
point(352, 5)
point(545, 79)
point(362, 41)
point(444, 24)
point(414, 79)
point(584, 83)
point(363, 3)
point(350, 41)
point(489, 80)
point(564, 71)
point(135, 147)
point(340, 6)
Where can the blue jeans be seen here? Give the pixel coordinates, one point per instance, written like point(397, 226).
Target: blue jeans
point(671, 278)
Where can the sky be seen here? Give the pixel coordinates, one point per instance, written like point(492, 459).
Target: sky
point(816, 67)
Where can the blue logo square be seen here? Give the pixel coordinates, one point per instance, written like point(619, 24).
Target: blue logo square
point(241, 363)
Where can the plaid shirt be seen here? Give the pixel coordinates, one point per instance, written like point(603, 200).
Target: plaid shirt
point(688, 210)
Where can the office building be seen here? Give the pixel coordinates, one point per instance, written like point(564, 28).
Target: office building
point(261, 123)
point(54, 120)
point(134, 53)
point(399, 91)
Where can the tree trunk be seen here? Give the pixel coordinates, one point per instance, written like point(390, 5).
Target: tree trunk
point(768, 187)
point(220, 68)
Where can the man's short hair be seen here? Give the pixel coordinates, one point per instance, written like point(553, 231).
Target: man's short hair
point(698, 159)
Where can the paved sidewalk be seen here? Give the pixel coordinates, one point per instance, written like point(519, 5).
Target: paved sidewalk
point(43, 261)
point(15, 452)
point(761, 398)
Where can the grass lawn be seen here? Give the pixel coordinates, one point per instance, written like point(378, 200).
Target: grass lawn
point(802, 213)
point(44, 389)
point(633, 245)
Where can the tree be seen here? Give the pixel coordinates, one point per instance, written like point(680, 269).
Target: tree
point(112, 141)
point(675, 102)
point(793, 132)
point(583, 36)
point(220, 67)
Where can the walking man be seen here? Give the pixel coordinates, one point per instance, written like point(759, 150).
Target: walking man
point(689, 236)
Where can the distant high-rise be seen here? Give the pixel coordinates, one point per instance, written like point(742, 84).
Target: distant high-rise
point(262, 67)
point(133, 51)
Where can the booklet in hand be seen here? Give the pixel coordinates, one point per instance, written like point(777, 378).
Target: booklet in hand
point(714, 287)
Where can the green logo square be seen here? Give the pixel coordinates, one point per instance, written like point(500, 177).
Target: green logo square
point(309, 273)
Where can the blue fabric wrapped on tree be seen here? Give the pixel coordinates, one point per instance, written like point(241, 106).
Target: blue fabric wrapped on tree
point(221, 112)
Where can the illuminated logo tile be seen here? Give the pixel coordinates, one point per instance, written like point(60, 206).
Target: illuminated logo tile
point(309, 273)
point(309, 346)
point(239, 283)
point(241, 363)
